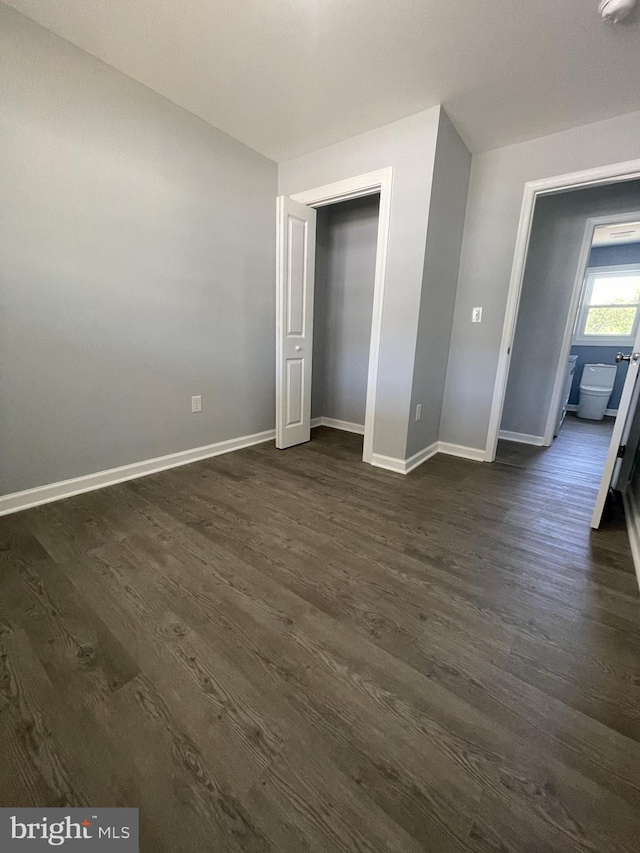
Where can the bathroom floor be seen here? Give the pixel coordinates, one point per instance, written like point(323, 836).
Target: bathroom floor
point(577, 455)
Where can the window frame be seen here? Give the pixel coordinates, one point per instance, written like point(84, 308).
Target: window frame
point(591, 275)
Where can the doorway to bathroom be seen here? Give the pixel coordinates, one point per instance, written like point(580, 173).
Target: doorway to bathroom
point(578, 309)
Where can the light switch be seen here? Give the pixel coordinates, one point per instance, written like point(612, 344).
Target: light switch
point(476, 315)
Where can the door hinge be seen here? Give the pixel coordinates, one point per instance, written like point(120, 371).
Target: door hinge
point(621, 450)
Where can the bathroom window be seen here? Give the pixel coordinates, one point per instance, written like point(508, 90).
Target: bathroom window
point(608, 312)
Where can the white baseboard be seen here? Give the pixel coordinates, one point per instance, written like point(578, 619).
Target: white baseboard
point(521, 437)
point(420, 457)
point(473, 453)
point(404, 466)
point(88, 483)
point(345, 426)
point(390, 463)
point(632, 517)
point(571, 407)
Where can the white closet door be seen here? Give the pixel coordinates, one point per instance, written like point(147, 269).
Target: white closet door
point(296, 258)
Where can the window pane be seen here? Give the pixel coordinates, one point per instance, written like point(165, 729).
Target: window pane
point(609, 290)
point(610, 321)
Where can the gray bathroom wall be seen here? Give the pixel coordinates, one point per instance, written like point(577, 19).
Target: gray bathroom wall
point(346, 240)
point(554, 249)
point(611, 256)
point(137, 248)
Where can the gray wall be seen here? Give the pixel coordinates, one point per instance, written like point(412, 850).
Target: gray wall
point(554, 249)
point(346, 241)
point(137, 249)
point(610, 256)
point(495, 198)
point(409, 147)
point(439, 281)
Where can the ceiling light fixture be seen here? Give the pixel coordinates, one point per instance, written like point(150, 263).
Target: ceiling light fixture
point(616, 10)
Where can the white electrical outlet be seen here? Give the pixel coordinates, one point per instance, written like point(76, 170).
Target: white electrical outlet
point(476, 315)
point(196, 404)
point(418, 411)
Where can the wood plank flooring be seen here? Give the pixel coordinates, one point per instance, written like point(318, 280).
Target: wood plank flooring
point(293, 651)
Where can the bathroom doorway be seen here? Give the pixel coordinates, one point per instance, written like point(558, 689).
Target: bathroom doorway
point(606, 306)
point(579, 308)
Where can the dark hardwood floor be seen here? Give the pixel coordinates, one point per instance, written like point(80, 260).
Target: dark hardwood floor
point(293, 651)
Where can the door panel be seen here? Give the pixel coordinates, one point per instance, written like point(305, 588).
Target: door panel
point(295, 392)
point(620, 434)
point(296, 235)
point(631, 448)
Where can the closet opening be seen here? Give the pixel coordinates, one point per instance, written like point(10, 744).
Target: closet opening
point(345, 266)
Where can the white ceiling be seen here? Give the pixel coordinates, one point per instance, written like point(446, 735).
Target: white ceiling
point(610, 235)
point(289, 76)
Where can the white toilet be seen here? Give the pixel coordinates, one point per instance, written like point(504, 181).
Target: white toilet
point(596, 386)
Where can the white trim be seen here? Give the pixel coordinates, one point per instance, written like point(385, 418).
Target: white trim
point(356, 187)
point(420, 457)
point(473, 453)
point(614, 173)
point(632, 518)
point(522, 437)
point(612, 269)
point(404, 466)
point(362, 185)
point(389, 463)
point(88, 483)
point(571, 407)
point(345, 426)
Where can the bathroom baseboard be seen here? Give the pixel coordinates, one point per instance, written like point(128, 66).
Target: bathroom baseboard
point(571, 407)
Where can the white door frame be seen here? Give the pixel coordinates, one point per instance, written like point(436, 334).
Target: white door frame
point(363, 185)
point(602, 175)
point(581, 271)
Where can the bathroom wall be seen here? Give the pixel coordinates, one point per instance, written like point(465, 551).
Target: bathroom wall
point(611, 256)
point(346, 240)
